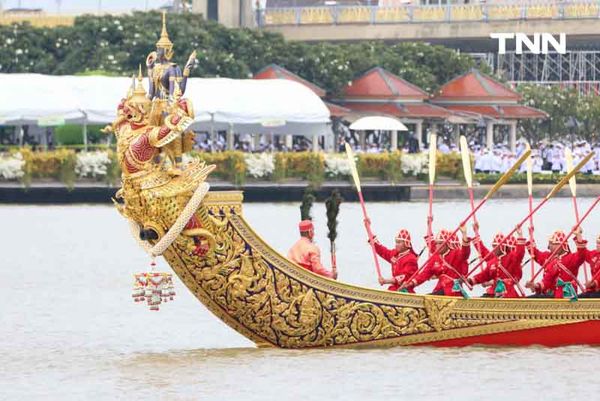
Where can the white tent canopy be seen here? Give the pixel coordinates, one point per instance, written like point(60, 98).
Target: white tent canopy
point(244, 106)
point(381, 123)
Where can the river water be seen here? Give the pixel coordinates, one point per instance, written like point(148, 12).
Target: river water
point(69, 329)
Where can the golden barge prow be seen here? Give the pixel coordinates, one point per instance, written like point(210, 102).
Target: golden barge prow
point(274, 302)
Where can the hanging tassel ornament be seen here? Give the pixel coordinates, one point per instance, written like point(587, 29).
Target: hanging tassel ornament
point(153, 287)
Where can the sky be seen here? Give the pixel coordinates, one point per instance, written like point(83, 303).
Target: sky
point(78, 6)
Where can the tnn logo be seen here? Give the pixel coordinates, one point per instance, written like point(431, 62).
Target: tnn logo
point(539, 44)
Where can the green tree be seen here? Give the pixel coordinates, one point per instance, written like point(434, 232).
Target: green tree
point(559, 103)
point(588, 113)
point(118, 44)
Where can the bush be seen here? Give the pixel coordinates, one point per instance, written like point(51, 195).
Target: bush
point(372, 165)
point(113, 171)
point(307, 165)
point(230, 165)
point(449, 165)
point(58, 164)
point(384, 166)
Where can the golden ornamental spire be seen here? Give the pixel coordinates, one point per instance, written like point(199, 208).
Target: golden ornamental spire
point(131, 87)
point(164, 40)
point(139, 93)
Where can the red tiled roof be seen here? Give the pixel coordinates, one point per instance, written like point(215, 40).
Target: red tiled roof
point(337, 110)
point(274, 71)
point(416, 110)
point(499, 111)
point(475, 86)
point(378, 83)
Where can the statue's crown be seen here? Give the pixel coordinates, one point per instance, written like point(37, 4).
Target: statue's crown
point(164, 41)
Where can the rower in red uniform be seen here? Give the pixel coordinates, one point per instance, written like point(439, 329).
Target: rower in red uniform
point(448, 265)
point(517, 249)
point(503, 267)
point(307, 254)
point(403, 259)
point(561, 271)
point(593, 258)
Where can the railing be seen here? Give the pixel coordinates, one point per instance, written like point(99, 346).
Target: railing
point(338, 15)
point(40, 20)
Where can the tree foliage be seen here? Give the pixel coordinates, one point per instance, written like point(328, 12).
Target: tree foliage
point(563, 105)
point(118, 44)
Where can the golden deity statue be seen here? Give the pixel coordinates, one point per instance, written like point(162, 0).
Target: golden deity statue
point(153, 194)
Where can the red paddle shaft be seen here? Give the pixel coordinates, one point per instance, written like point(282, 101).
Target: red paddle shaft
point(370, 234)
point(531, 233)
point(430, 215)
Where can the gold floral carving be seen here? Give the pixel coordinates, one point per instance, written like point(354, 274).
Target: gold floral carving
point(276, 303)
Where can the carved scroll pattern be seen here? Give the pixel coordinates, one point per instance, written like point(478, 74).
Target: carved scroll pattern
point(273, 307)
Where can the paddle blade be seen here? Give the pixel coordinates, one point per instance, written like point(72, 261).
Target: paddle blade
point(432, 157)
point(529, 172)
point(570, 174)
point(508, 174)
point(569, 162)
point(466, 161)
point(352, 163)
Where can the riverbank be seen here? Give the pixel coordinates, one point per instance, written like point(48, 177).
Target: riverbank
point(375, 191)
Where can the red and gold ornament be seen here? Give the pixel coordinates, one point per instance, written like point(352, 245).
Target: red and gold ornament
point(153, 287)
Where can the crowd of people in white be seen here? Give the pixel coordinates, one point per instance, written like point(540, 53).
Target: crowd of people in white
point(547, 157)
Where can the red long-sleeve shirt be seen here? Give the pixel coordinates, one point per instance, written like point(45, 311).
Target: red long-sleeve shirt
point(446, 268)
point(515, 262)
point(404, 264)
point(593, 258)
point(565, 267)
point(506, 267)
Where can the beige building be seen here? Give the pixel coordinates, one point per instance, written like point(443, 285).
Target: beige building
point(231, 13)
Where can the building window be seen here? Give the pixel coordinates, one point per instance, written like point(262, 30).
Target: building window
point(212, 10)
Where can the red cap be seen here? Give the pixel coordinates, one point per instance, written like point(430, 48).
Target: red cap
point(511, 242)
point(498, 238)
point(404, 236)
point(559, 237)
point(305, 225)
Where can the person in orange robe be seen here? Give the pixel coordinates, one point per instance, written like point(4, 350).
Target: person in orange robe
point(593, 258)
point(561, 271)
point(402, 257)
point(503, 267)
point(307, 254)
point(448, 265)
